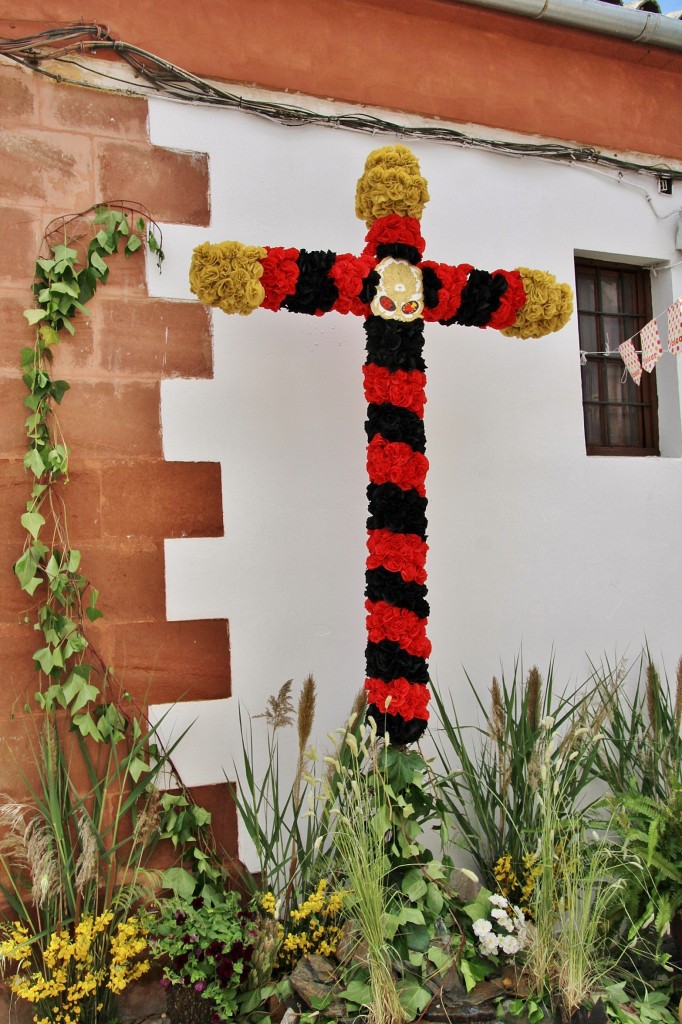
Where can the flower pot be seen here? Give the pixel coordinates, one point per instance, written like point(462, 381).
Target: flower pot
point(185, 1006)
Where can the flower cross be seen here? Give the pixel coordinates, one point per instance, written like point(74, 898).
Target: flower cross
point(395, 290)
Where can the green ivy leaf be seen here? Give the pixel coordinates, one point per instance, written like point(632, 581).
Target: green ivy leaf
point(92, 612)
point(136, 767)
point(97, 262)
point(133, 244)
point(413, 884)
point(45, 659)
point(86, 725)
point(59, 389)
point(180, 881)
point(34, 316)
point(32, 522)
point(34, 462)
point(357, 992)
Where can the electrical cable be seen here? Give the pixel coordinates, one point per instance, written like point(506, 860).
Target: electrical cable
point(59, 44)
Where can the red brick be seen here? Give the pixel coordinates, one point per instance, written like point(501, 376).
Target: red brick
point(13, 414)
point(19, 678)
point(93, 112)
point(172, 185)
point(161, 499)
point(17, 99)
point(19, 230)
point(16, 332)
point(15, 489)
point(164, 662)
point(80, 496)
point(15, 603)
point(39, 166)
point(154, 336)
point(130, 577)
point(218, 801)
point(105, 419)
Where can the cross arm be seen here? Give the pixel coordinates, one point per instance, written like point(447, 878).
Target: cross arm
point(239, 278)
point(521, 303)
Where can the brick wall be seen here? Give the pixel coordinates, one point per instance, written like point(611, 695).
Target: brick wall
point(62, 149)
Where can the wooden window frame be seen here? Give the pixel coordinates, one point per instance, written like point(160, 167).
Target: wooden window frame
point(649, 397)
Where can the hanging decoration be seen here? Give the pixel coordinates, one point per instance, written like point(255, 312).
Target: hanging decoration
point(675, 327)
point(395, 290)
point(630, 357)
point(651, 348)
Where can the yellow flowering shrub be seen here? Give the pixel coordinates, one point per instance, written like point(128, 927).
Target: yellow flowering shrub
point(518, 888)
point(312, 927)
point(73, 979)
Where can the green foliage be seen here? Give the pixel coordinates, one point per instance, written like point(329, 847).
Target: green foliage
point(641, 762)
point(76, 852)
point(489, 773)
point(203, 945)
point(48, 569)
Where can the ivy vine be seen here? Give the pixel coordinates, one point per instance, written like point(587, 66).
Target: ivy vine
point(49, 569)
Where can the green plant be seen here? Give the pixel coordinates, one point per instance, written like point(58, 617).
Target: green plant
point(360, 830)
point(49, 570)
point(579, 890)
point(205, 946)
point(489, 773)
point(641, 762)
point(75, 860)
point(293, 846)
point(79, 968)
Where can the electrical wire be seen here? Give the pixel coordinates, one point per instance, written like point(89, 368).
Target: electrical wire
point(61, 45)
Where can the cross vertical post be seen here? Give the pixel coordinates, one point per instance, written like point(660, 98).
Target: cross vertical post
point(395, 290)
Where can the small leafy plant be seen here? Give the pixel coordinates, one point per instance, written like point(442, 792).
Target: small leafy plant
point(204, 946)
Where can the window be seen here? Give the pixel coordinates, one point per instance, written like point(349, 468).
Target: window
point(614, 301)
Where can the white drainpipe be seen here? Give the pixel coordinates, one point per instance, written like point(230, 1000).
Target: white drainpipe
point(592, 16)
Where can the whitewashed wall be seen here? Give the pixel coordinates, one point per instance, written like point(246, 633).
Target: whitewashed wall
point(534, 547)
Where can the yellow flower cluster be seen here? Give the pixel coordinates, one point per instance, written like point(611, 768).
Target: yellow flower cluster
point(312, 929)
point(74, 965)
point(518, 890)
point(548, 306)
point(391, 183)
point(228, 275)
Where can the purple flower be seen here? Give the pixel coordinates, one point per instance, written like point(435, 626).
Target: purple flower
point(179, 961)
point(197, 902)
point(180, 917)
point(165, 984)
point(199, 986)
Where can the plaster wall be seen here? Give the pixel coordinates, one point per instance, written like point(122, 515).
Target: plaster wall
point(534, 547)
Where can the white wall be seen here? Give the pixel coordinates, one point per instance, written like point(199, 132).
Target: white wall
point(533, 545)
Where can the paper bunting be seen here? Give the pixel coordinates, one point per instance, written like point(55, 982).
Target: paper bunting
point(631, 359)
point(652, 350)
point(675, 327)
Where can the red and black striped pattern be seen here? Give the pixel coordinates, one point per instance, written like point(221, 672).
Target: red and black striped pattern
point(394, 376)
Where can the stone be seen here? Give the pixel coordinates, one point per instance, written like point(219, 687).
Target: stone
point(315, 982)
point(466, 886)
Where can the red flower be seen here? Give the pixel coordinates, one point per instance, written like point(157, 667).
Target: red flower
point(452, 281)
point(511, 302)
point(404, 388)
point(386, 622)
point(394, 462)
point(391, 229)
point(399, 697)
point(398, 552)
point(348, 273)
point(280, 276)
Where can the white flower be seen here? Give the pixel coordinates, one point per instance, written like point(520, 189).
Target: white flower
point(469, 874)
point(488, 945)
point(499, 901)
point(482, 927)
point(510, 945)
